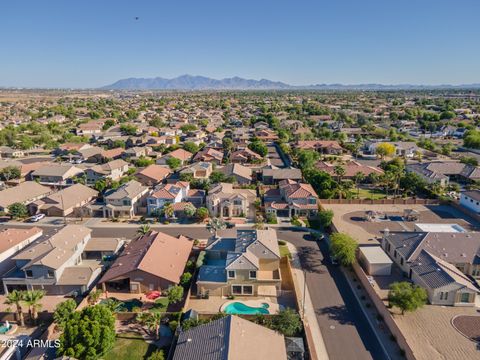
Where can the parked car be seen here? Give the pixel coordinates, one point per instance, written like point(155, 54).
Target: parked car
point(36, 218)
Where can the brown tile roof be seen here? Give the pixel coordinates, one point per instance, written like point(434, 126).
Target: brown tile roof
point(156, 172)
point(156, 253)
point(180, 154)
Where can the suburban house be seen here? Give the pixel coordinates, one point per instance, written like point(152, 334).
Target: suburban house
point(406, 149)
point(12, 241)
point(242, 174)
point(329, 147)
point(180, 154)
point(153, 175)
point(223, 200)
point(136, 152)
point(153, 261)
point(246, 265)
point(112, 170)
point(468, 199)
point(291, 199)
point(351, 169)
point(56, 175)
point(93, 127)
point(447, 265)
point(68, 201)
point(55, 264)
point(443, 172)
point(126, 201)
point(170, 193)
point(199, 170)
point(24, 193)
point(8, 152)
point(209, 155)
point(266, 135)
point(245, 156)
point(232, 338)
point(272, 176)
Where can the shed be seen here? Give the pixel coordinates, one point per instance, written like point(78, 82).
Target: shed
point(375, 261)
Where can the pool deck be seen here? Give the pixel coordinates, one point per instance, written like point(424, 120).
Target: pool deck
point(216, 303)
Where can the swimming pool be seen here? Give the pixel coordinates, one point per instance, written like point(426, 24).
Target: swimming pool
point(240, 308)
point(4, 328)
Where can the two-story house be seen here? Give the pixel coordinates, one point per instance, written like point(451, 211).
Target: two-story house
point(246, 265)
point(223, 200)
point(112, 170)
point(291, 199)
point(126, 201)
point(55, 264)
point(171, 193)
point(199, 170)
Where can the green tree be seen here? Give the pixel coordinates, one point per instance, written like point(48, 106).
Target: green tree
point(152, 320)
point(217, 177)
point(143, 161)
point(185, 278)
point(307, 158)
point(88, 334)
point(259, 147)
point(174, 163)
point(189, 210)
point(63, 312)
point(144, 229)
point(17, 210)
point(157, 355)
point(202, 213)
point(33, 300)
point(339, 170)
point(10, 172)
point(227, 144)
point(406, 296)
point(343, 248)
point(287, 322)
point(16, 297)
point(175, 294)
point(325, 217)
point(168, 210)
point(190, 147)
point(358, 178)
point(216, 224)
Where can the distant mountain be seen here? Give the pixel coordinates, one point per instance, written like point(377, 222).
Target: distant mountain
point(189, 82)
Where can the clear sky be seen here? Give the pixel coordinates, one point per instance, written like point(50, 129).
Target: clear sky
point(90, 43)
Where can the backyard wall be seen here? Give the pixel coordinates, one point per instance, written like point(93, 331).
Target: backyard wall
point(384, 312)
point(396, 201)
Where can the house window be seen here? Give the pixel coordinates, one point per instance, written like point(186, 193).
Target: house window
point(247, 290)
point(401, 261)
point(126, 202)
point(253, 274)
point(237, 289)
point(50, 273)
point(465, 297)
point(237, 202)
point(231, 274)
point(312, 201)
point(395, 254)
point(28, 273)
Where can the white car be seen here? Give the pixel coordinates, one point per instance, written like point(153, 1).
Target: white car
point(36, 218)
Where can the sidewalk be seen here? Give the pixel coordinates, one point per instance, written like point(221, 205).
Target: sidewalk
point(309, 317)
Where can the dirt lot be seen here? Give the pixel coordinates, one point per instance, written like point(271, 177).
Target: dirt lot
point(349, 218)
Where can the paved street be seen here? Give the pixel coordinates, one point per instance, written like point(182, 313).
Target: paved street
point(345, 331)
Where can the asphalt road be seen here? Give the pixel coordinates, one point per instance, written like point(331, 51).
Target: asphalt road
point(345, 330)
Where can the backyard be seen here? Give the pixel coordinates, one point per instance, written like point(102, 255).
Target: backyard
point(130, 346)
point(371, 194)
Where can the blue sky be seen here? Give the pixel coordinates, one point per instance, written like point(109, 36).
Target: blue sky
point(58, 43)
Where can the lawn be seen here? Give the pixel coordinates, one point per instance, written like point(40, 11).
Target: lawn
point(130, 346)
point(161, 304)
point(284, 251)
point(373, 194)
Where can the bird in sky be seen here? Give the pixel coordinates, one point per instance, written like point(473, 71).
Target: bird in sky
point(136, 18)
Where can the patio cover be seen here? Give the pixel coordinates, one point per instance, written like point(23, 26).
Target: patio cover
point(267, 290)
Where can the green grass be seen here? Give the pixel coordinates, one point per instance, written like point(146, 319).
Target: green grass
point(161, 304)
point(284, 251)
point(373, 194)
point(130, 346)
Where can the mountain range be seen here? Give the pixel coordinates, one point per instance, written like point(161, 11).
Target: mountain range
point(190, 82)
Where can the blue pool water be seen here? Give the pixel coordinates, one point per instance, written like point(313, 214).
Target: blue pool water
point(241, 308)
point(4, 329)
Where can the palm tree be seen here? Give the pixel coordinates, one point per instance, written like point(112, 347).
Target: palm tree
point(144, 229)
point(358, 178)
point(168, 210)
point(16, 298)
point(32, 299)
point(152, 320)
point(112, 304)
point(94, 296)
point(339, 170)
